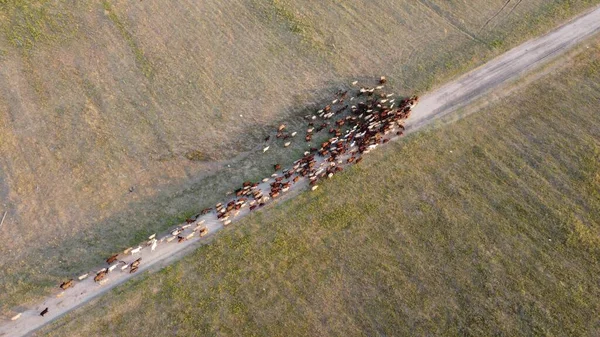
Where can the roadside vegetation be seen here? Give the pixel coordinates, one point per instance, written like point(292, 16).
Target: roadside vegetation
point(97, 97)
point(485, 226)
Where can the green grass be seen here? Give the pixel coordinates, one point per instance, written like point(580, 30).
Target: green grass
point(32, 22)
point(96, 97)
point(487, 226)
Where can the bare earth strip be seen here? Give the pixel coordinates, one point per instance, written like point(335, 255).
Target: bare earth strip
point(446, 99)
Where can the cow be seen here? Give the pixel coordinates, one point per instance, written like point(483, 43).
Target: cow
point(45, 311)
point(100, 276)
point(277, 167)
point(180, 239)
point(136, 250)
point(67, 284)
point(133, 270)
point(136, 263)
point(112, 259)
point(83, 277)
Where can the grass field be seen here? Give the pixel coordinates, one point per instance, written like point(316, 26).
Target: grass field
point(486, 226)
point(99, 96)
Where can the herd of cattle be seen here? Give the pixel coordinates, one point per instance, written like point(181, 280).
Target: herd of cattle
point(356, 121)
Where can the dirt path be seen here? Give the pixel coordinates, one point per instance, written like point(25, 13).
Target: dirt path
point(442, 101)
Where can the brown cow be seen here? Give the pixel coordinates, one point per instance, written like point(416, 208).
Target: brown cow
point(112, 259)
point(45, 311)
point(67, 284)
point(100, 276)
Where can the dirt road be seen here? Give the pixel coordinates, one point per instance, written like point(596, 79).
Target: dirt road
point(448, 98)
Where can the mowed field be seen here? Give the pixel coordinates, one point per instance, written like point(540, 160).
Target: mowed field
point(97, 97)
point(486, 226)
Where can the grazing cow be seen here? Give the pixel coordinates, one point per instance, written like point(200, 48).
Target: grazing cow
point(287, 144)
point(67, 284)
point(112, 259)
point(265, 149)
point(45, 311)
